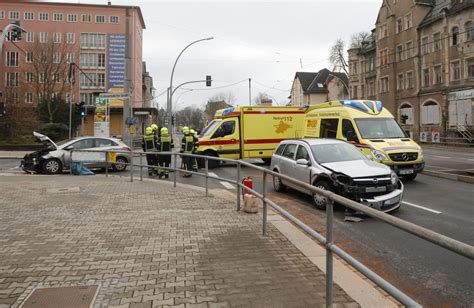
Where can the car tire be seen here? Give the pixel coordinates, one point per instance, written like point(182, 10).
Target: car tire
point(52, 166)
point(319, 201)
point(120, 168)
point(409, 177)
point(277, 184)
point(211, 162)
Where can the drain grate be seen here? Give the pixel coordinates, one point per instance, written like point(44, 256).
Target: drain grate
point(62, 297)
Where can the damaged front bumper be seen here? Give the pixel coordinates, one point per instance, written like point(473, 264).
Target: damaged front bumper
point(386, 203)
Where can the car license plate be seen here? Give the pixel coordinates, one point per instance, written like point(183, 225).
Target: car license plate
point(406, 171)
point(375, 189)
point(392, 201)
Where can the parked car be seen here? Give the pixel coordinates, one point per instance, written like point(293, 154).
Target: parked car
point(337, 166)
point(53, 158)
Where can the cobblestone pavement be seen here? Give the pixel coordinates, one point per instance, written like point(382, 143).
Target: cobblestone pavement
point(146, 244)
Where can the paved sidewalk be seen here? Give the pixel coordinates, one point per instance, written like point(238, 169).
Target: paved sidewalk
point(147, 244)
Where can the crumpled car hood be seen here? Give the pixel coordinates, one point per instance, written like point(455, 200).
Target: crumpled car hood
point(46, 141)
point(358, 168)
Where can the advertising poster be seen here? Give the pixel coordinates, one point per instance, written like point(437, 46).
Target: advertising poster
point(116, 67)
point(101, 118)
point(435, 135)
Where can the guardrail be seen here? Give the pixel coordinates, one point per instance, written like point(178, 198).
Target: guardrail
point(420, 232)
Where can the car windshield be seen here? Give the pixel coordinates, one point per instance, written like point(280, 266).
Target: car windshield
point(335, 152)
point(210, 128)
point(379, 128)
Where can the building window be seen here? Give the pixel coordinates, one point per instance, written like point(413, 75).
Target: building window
point(72, 17)
point(406, 114)
point(11, 79)
point(100, 19)
point(56, 57)
point(2, 14)
point(56, 78)
point(29, 57)
point(354, 92)
point(14, 15)
point(362, 91)
point(470, 68)
point(409, 48)
point(92, 40)
point(57, 17)
point(469, 30)
point(29, 77)
point(426, 77)
point(455, 37)
point(92, 60)
point(455, 71)
point(87, 98)
point(28, 97)
point(437, 41)
point(101, 60)
point(86, 18)
point(42, 78)
point(399, 25)
point(383, 31)
point(43, 57)
point(399, 53)
point(384, 85)
point(438, 78)
point(424, 45)
point(113, 19)
point(57, 37)
point(30, 37)
point(93, 80)
point(12, 58)
point(410, 81)
point(400, 82)
point(71, 38)
point(430, 113)
point(371, 88)
point(29, 15)
point(408, 21)
point(43, 37)
point(70, 57)
point(384, 57)
point(372, 63)
point(43, 16)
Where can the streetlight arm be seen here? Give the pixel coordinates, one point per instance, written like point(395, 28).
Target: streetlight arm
point(5, 31)
point(342, 81)
point(188, 82)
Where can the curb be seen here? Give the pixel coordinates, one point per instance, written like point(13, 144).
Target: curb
point(450, 176)
point(11, 157)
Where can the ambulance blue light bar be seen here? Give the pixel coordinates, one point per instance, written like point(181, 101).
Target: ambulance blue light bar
point(374, 106)
point(227, 110)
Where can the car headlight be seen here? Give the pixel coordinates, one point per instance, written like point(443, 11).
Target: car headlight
point(420, 156)
point(379, 155)
point(393, 178)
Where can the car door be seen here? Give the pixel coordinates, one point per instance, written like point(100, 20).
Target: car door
point(102, 144)
point(226, 139)
point(83, 144)
point(288, 161)
point(302, 172)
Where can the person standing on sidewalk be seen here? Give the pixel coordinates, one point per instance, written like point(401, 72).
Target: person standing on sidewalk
point(187, 147)
point(149, 145)
point(193, 133)
point(165, 144)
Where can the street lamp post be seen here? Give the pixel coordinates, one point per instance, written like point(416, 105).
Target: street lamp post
point(342, 81)
point(170, 89)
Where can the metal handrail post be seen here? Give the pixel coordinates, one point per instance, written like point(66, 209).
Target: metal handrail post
point(141, 167)
point(206, 163)
point(238, 186)
point(329, 260)
point(264, 194)
point(175, 169)
point(106, 164)
point(70, 160)
point(131, 165)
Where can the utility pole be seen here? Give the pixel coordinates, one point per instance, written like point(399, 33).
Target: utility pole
point(127, 104)
point(250, 91)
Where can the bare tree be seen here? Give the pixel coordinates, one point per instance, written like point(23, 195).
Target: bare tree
point(259, 97)
point(337, 58)
point(360, 39)
point(227, 97)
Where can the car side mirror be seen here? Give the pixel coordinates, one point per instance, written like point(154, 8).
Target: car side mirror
point(69, 147)
point(303, 162)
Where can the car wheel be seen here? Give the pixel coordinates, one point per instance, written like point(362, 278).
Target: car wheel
point(212, 163)
point(409, 177)
point(52, 166)
point(277, 184)
point(320, 202)
point(119, 167)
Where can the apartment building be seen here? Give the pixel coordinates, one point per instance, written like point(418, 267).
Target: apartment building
point(424, 58)
point(92, 36)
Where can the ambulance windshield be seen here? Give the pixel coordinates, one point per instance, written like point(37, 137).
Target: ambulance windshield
point(379, 128)
point(210, 128)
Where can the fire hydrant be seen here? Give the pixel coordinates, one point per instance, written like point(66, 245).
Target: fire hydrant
point(250, 200)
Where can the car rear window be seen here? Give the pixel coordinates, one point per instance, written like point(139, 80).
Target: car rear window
point(280, 149)
point(289, 151)
point(104, 143)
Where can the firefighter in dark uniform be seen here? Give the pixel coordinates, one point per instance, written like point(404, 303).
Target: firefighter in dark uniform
point(187, 147)
point(193, 133)
point(149, 145)
point(165, 144)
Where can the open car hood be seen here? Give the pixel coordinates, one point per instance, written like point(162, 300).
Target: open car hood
point(45, 140)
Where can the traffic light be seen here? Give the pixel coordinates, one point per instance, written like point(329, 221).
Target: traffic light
point(173, 118)
point(81, 109)
point(208, 81)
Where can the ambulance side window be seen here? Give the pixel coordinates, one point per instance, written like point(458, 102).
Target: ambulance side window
point(348, 131)
point(226, 128)
point(328, 128)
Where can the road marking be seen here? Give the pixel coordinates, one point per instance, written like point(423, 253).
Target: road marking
point(421, 207)
point(445, 157)
point(14, 168)
point(225, 184)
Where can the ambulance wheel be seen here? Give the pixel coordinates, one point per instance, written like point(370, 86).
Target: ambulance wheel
point(211, 162)
point(52, 166)
point(409, 177)
point(277, 184)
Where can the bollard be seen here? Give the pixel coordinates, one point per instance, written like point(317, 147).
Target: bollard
point(329, 242)
point(264, 193)
point(206, 163)
point(238, 186)
point(175, 169)
point(70, 162)
point(141, 167)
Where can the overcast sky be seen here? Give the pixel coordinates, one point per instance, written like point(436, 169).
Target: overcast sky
point(267, 41)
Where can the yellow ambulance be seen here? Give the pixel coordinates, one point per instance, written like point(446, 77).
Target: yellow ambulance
point(250, 132)
point(369, 126)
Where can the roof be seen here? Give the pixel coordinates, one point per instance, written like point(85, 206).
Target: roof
point(315, 82)
point(318, 83)
point(142, 21)
point(305, 79)
point(437, 12)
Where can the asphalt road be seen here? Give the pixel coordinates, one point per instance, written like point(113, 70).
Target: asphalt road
point(443, 159)
point(431, 275)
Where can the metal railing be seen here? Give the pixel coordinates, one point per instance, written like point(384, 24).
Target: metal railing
point(448, 243)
